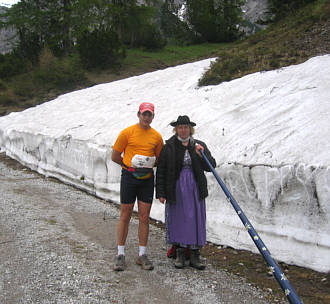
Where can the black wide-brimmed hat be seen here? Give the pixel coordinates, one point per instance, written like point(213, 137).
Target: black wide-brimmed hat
point(182, 120)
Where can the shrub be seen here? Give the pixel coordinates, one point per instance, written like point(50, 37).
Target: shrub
point(274, 63)
point(151, 38)
point(3, 86)
point(227, 67)
point(281, 8)
point(6, 100)
point(58, 73)
point(24, 86)
point(100, 48)
point(11, 65)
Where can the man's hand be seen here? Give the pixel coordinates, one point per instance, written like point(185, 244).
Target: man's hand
point(116, 157)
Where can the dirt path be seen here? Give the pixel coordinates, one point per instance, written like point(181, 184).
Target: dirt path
point(57, 245)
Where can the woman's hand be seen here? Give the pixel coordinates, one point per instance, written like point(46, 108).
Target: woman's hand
point(162, 200)
point(199, 147)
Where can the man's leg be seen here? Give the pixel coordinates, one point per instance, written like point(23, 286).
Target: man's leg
point(128, 190)
point(123, 223)
point(122, 231)
point(144, 212)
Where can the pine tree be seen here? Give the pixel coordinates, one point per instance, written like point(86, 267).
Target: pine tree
point(42, 23)
point(215, 20)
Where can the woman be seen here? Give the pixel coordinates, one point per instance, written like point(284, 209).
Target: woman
point(181, 182)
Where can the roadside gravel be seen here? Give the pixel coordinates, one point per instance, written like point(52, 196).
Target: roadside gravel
point(57, 245)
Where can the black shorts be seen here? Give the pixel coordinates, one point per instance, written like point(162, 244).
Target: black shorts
point(132, 188)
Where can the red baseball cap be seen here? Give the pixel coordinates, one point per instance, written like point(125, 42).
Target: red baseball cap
point(146, 106)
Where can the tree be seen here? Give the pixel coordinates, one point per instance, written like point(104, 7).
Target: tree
point(28, 43)
point(174, 28)
point(215, 20)
point(135, 24)
point(100, 48)
point(42, 23)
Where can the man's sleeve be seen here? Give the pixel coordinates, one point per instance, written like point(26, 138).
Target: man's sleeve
point(159, 146)
point(121, 142)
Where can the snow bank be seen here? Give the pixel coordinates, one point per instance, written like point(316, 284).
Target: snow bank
point(269, 133)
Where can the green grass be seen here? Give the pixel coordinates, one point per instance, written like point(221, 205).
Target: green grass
point(171, 55)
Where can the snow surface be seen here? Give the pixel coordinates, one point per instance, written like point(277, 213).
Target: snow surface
point(268, 131)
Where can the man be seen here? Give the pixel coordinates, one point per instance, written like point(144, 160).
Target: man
point(141, 145)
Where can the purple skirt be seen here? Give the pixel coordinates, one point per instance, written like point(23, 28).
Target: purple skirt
point(186, 219)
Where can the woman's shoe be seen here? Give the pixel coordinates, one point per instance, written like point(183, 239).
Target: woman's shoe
point(195, 261)
point(180, 258)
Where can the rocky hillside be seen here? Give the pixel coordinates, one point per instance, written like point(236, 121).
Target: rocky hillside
point(5, 35)
point(254, 11)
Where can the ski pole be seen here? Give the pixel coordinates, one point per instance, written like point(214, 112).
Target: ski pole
point(274, 268)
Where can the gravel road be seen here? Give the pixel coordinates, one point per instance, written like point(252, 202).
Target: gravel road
point(57, 245)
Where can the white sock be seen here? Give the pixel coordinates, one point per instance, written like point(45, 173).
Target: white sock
point(121, 250)
point(142, 250)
